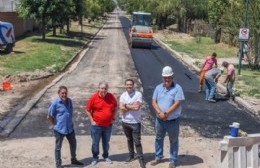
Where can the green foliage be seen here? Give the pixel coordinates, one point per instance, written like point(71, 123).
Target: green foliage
point(32, 53)
point(199, 50)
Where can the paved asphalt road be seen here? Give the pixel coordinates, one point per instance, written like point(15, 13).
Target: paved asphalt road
point(209, 119)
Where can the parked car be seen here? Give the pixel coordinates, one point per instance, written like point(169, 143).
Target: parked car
point(141, 33)
point(7, 38)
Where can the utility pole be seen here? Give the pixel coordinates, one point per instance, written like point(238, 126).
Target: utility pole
point(243, 42)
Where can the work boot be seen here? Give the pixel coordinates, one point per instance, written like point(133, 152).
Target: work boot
point(142, 163)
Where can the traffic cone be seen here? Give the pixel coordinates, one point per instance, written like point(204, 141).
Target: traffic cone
point(6, 86)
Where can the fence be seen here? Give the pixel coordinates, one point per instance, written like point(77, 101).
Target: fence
point(240, 152)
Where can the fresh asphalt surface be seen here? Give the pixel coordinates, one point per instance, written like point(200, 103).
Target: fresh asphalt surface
point(208, 119)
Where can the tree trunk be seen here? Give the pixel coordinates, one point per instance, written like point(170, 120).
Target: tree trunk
point(68, 24)
point(257, 49)
point(43, 26)
point(54, 28)
point(217, 35)
point(180, 24)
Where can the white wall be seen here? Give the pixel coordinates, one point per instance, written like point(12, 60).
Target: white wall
point(7, 5)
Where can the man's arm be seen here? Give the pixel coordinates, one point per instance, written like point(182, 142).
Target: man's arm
point(89, 114)
point(50, 119)
point(174, 107)
point(160, 114)
point(122, 107)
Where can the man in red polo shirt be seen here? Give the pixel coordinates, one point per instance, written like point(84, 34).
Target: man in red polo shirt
point(101, 111)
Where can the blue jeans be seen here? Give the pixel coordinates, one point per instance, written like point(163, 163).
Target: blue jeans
point(97, 133)
point(72, 142)
point(230, 88)
point(210, 88)
point(133, 135)
point(172, 128)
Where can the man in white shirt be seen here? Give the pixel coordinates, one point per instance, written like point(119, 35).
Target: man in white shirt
point(130, 103)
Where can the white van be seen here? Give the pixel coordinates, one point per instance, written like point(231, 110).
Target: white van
point(7, 38)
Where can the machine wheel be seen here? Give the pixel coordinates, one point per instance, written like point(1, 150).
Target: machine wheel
point(9, 48)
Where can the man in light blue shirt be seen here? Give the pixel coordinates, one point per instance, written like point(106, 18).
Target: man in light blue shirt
point(166, 101)
point(60, 115)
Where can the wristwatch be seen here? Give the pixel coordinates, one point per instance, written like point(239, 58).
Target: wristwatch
point(165, 114)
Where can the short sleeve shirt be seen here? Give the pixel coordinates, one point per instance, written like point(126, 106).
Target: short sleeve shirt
point(166, 98)
point(212, 74)
point(231, 72)
point(102, 109)
point(62, 115)
point(131, 116)
point(209, 62)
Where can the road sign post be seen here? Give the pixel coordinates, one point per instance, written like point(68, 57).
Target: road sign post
point(243, 36)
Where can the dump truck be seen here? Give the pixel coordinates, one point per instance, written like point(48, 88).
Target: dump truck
point(7, 38)
point(141, 33)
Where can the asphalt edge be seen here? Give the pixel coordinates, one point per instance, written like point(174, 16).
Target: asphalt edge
point(21, 113)
point(188, 61)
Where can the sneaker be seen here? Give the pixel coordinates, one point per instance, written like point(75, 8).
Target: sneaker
point(200, 90)
point(156, 162)
point(76, 162)
point(94, 162)
point(233, 97)
point(129, 159)
point(212, 100)
point(172, 165)
point(109, 161)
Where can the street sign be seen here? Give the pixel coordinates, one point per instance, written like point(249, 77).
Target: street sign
point(243, 34)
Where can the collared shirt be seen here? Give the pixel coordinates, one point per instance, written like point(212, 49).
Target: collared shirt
point(166, 98)
point(62, 114)
point(102, 109)
point(131, 116)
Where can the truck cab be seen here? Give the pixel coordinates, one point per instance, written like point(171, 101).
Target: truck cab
point(141, 33)
point(7, 38)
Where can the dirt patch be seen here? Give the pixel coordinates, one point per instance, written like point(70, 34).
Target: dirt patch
point(23, 87)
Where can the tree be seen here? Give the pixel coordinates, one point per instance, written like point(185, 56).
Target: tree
point(36, 9)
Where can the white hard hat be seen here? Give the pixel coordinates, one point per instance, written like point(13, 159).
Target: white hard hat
point(167, 71)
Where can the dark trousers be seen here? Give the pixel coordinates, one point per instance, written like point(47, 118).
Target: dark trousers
point(133, 135)
point(72, 142)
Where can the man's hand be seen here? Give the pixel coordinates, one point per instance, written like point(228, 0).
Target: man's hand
point(162, 116)
point(136, 106)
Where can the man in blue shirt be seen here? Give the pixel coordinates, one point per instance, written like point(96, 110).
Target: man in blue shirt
point(166, 101)
point(60, 115)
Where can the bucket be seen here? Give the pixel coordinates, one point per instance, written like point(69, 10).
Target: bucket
point(233, 131)
point(6, 86)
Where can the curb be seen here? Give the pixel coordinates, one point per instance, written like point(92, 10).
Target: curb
point(21, 113)
point(188, 61)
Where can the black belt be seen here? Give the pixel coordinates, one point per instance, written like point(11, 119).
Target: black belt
point(169, 120)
